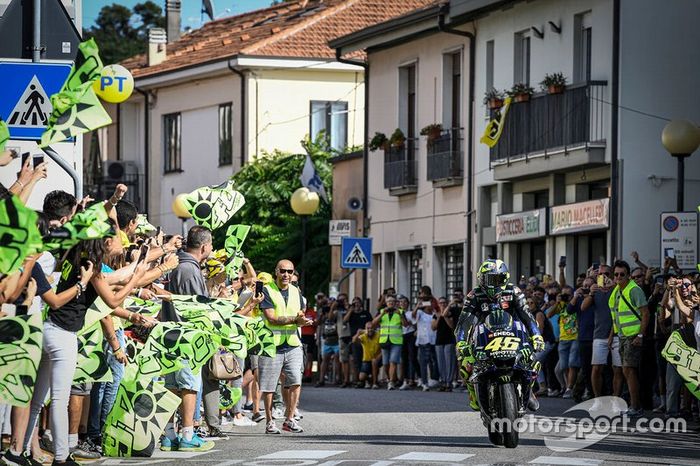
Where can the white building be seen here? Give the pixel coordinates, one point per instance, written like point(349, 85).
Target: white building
point(581, 174)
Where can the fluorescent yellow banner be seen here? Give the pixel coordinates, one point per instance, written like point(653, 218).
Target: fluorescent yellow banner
point(495, 127)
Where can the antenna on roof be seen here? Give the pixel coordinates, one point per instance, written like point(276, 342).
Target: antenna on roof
point(208, 9)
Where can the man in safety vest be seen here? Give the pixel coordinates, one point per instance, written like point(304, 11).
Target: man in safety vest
point(283, 311)
point(390, 321)
point(630, 316)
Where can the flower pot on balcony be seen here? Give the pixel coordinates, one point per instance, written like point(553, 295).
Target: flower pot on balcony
point(495, 104)
point(525, 97)
point(555, 89)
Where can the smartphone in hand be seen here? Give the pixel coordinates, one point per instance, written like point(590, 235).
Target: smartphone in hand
point(258, 288)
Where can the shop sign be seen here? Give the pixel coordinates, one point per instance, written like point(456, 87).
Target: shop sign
point(339, 229)
point(679, 238)
point(521, 225)
point(579, 217)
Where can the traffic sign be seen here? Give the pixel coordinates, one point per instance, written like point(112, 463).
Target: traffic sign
point(25, 92)
point(356, 253)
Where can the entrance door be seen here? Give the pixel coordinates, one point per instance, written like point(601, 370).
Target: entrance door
point(531, 257)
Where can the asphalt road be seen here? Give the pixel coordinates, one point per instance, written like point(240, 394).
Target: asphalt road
point(354, 427)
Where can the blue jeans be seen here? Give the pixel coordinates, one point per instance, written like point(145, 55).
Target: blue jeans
point(427, 358)
point(104, 394)
point(447, 362)
point(542, 357)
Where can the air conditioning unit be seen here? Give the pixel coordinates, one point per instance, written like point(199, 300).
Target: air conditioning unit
point(120, 171)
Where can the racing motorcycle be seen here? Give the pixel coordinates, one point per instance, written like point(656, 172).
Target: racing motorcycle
point(503, 372)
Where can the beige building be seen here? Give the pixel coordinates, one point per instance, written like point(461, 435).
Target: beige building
point(209, 101)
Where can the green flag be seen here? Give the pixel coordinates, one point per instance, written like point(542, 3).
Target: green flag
point(92, 223)
point(228, 396)
point(139, 415)
point(140, 306)
point(235, 236)
point(686, 361)
point(76, 108)
point(19, 235)
point(234, 265)
point(20, 353)
point(266, 340)
point(214, 206)
point(92, 363)
point(4, 134)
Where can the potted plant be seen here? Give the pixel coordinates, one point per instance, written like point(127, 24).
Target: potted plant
point(397, 139)
point(433, 131)
point(379, 141)
point(554, 83)
point(521, 92)
point(493, 98)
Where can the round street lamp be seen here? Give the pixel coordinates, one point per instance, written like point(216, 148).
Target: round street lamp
point(680, 138)
point(180, 210)
point(304, 203)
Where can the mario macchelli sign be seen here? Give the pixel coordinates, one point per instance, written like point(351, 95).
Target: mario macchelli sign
point(521, 225)
point(582, 216)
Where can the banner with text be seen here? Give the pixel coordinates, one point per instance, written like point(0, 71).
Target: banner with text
point(579, 217)
point(520, 226)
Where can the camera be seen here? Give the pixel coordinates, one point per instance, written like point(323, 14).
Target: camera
point(565, 297)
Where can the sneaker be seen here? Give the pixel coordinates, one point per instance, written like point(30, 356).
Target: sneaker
point(432, 383)
point(553, 393)
point(83, 452)
point(405, 385)
point(196, 444)
point(368, 385)
point(634, 412)
point(244, 422)
point(70, 461)
point(248, 408)
point(569, 393)
point(290, 425)
point(298, 416)
point(257, 417)
point(215, 432)
point(169, 445)
point(426, 388)
point(277, 413)
point(271, 428)
point(375, 387)
point(597, 405)
point(46, 444)
point(23, 459)
point(390, 386)
point(94, 444)
point(201, 431)
point(226, 420)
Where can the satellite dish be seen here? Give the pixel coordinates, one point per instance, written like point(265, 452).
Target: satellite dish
point(354, 204)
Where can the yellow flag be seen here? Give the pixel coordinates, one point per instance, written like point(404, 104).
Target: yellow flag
point(495, 127)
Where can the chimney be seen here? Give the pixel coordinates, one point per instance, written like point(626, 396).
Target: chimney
point(173, 19)
point(156, 46)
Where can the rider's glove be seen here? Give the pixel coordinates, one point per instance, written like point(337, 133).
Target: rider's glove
point(537, 343)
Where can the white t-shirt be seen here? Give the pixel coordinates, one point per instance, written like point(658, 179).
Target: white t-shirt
point(425, 333)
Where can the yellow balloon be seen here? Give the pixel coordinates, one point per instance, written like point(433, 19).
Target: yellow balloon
point(114, 85)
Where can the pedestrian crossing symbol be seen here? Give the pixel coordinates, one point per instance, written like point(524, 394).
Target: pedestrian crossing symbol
point(356, 253)
point(33, 107)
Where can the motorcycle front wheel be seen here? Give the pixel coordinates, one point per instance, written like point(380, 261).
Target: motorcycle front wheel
point(508, 409)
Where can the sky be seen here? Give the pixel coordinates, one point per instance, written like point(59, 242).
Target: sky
point(190, 9)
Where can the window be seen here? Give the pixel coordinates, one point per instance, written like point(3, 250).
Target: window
point(489, 64)
point(522, 58)
point(332, 118)
point(172, 143)
point(452, 89)
point(416, 274)
point(407, 102)
point(225, 137)
point(582, 47)
point(454, 268)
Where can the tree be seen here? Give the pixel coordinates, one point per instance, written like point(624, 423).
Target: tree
point(267, 184)
point(121, 33)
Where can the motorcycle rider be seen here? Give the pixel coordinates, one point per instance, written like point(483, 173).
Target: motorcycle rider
point(494, 288)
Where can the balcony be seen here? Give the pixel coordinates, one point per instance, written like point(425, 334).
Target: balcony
point(445, 159)
point(400, 169)
point(553, 133)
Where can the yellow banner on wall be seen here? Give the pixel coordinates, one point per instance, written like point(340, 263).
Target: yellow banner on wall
point(495, 127)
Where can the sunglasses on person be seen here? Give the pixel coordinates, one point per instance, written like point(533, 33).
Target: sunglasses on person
point(621, 274)
point(287, 271)
point(686, 284)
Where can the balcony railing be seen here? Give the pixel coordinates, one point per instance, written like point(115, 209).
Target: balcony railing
point(445, 160)
point(400, 167)
point(552, 122)
point(102, 188)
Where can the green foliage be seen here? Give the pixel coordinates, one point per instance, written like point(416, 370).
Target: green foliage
point(267, 184)
point(121, 33)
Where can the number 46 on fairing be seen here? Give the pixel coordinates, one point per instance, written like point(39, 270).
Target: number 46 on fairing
point(503, 344)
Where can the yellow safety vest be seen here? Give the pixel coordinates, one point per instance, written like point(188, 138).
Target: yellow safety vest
point(625, 322)
point(390, 328)
point(284, 333)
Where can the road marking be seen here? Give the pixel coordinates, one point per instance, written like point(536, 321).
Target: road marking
point(563, 461)
point(433, 456)
point(180, 455)
point(301, 455)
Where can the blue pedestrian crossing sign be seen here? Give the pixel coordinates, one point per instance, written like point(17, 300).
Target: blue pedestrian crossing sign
point(356, 253)
point(25, 95)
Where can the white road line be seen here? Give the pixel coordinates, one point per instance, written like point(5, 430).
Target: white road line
point(432, 456)
point(180, 455)
point(301, 455)
point(564, 461)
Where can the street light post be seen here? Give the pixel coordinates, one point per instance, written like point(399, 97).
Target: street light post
point(304, 203)
point(680, 138)
point(179, 209)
